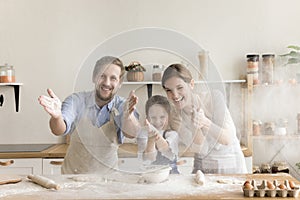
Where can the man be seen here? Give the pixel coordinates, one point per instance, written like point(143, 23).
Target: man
point(98, 120)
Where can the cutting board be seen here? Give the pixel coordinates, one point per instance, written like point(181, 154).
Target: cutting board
point(7, 179)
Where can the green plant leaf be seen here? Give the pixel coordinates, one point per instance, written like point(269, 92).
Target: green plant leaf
point(297, 48)
point(293, 61)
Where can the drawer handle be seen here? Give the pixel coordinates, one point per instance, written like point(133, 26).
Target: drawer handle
point(7, 163)
point(53, 162)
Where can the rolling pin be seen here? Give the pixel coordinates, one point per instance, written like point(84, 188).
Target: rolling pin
point(43, 181)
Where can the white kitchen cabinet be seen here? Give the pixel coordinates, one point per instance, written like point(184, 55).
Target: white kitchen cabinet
point(21, 166)
point(52, 166)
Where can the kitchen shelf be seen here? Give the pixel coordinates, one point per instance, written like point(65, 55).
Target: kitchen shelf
point(277, 137)
point(16, 87)
point(151, 83)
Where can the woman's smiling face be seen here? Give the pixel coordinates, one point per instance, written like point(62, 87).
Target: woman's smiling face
point(178, 91)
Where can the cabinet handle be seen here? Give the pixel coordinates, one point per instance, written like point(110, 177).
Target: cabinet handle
point(7, 163)
point(54, 162)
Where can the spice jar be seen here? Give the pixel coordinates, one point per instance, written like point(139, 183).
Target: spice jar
point(7, 74)
point(265, 168)
point(157, 72)
point(256, 127)
point(267, 68)
point(252, 67)
point(280, 167)
point(269, 128)
point(255, 169)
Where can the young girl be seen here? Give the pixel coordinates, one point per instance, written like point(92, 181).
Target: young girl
point(161, 143)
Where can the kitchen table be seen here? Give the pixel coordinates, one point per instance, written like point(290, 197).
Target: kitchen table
point(127, 187)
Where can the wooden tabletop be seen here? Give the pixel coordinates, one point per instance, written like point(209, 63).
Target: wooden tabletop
point(218, 186)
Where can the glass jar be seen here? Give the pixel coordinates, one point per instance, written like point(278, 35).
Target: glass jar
point(265, 168)
point(257, 126)
point(7, 74)
point(252, 67)
point(280, 167)
point(267, 68)
point(157, 72)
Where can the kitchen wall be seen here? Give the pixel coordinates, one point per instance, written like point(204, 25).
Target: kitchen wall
point(48, 40)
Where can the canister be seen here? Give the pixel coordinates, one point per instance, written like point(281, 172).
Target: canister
point(252, 67)
point(7, 74)
point(157, 71)
point(267, 68)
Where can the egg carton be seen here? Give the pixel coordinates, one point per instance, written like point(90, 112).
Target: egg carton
point(269, 189)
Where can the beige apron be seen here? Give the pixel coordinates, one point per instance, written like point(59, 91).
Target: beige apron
point(92, 149)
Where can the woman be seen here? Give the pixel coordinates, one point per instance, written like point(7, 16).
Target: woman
point(203, 123)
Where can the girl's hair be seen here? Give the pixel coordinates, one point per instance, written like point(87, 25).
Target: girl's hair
point(176, 70)
point(159, 100)
point(107, 60)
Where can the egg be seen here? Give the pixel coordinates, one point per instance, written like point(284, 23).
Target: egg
point(270, 185)
point(248, 186)
point(281, 186)
point(292, 184)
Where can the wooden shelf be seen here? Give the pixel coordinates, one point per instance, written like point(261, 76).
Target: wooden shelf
point(16, 87)
point(277, 137)
point(151, 83)
point(158, 82)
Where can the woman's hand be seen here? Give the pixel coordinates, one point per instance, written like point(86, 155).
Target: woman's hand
point(199, 119)
point(51, 104)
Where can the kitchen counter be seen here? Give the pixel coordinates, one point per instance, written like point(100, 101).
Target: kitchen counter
point(59, 151)
point(111, 187)
point(55, 151)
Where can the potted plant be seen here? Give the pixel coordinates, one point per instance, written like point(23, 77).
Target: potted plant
point(293, 60)
point(135, 71)
point(293, 56)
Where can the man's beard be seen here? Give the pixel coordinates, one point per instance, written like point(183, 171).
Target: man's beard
point(102, 98)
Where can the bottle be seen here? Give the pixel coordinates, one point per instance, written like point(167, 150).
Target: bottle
point(267, 68)
point(252, 67)
point(157, 72)
point(7, 74)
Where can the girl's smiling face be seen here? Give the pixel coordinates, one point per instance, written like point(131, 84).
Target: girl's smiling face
point(178, 91)
point(158, 117)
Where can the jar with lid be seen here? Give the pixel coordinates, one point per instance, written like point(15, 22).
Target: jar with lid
point(157, 72)
point(252, 67)
point(280, 167)
point(7, 74)
point(257, 126)
point(265, 168)
point(281, 127)
point(267, 68)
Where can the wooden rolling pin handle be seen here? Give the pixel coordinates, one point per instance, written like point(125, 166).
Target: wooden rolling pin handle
point(7, 163)
point(43, 181)
point(53, 162)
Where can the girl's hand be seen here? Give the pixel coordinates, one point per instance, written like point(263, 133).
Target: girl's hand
point(51, 104)
point(152, 131)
